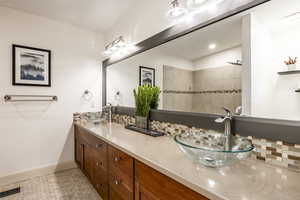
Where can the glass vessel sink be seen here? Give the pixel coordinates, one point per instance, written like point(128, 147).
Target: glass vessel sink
point(209, 148)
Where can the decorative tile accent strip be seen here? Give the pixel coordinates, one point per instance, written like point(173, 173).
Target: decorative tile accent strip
point(272, 152)
point(85, 117)
point(203, 92)
point(123, 119)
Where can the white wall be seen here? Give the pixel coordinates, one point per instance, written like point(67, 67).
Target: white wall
point(35, 135)
point(274, 96)
point(219, 59)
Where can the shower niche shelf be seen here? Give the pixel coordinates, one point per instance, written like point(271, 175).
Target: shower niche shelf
point(289, 72)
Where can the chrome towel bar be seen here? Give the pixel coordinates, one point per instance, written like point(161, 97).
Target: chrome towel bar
point(16, 98)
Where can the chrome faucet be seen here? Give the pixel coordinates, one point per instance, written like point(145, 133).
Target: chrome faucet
point(227, 119)
point(108, 109)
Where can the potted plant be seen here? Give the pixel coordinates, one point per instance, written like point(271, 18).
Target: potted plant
point(143, 98)
point(146, 98)
point(291, 63)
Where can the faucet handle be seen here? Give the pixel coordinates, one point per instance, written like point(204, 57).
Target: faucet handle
point(228, 112)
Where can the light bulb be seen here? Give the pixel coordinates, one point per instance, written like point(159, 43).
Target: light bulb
point(195, 3)
point(177, 10)
point(107, 52)
point(212, 46)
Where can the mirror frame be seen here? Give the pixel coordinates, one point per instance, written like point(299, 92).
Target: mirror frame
point(272, 129)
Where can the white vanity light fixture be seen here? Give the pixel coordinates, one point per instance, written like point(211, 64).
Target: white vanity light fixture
point(192, 8)
point(195, 3)
point(118, 48)
point(203, 5)
point(177, 10)
point(212, 46)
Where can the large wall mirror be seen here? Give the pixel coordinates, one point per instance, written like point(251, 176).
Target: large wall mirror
point(234, 63)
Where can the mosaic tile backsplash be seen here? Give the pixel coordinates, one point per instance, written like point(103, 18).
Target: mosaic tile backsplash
point(272, 152)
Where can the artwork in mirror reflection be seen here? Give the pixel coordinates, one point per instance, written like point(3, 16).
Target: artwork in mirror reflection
point(236, 63)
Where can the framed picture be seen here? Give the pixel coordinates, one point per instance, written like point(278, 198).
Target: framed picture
point(31, 66)
point(147, 76)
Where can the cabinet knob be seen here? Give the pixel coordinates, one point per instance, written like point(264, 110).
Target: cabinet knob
point(117, 159)
point(117, 182)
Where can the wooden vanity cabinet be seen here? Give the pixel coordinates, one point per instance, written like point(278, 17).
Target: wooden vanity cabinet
point(117, 176)
point(91, 157)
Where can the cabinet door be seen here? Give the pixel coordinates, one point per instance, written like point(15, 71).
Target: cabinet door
point(100, 180)
point(113, 195)
point(88, 161)
point(79, 152)
point(143, 194)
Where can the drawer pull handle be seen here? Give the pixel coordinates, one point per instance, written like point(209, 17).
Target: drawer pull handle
point(117, 182)
point(117, 159)
point(99, 145)
point(97, 163)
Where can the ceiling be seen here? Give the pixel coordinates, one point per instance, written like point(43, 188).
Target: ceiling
point(96, 15)
point(225, 34)
point(274, 14)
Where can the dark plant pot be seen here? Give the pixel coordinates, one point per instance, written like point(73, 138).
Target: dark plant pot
point(141, 122)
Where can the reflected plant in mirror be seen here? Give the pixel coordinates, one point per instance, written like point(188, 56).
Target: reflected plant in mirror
point(155, 97)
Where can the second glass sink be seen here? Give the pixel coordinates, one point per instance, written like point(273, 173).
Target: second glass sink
point(209, 148)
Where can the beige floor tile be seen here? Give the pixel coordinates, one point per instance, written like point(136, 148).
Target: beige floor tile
point(67, 185)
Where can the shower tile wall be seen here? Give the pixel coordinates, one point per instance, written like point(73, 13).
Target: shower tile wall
point(217, 87)
point(205, 90)
point(177, 89)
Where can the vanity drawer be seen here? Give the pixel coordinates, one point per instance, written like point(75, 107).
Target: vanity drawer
point(151, 184)
point(121, 165)
point(101, 183)
point(120, 188)
point(100, 161)
point(92, 140)
point(113, 195)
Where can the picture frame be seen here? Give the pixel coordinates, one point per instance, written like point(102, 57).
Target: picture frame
point(31, 66)
point(147, 76)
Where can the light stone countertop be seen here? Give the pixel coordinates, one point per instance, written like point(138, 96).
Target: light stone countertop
point(246, 180)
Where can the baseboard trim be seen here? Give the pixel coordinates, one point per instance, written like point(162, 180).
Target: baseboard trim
point(21, 176)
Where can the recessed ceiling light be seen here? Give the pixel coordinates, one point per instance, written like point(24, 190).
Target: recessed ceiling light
point(212, 46)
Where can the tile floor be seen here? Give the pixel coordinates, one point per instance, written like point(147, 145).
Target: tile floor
point(67, 185)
